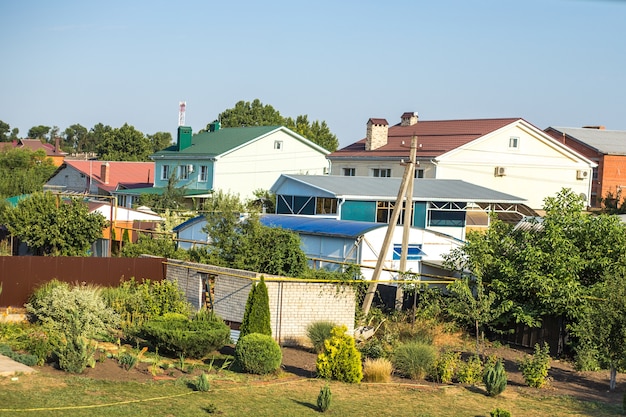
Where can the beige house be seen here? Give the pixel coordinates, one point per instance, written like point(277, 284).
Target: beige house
point(507, 155)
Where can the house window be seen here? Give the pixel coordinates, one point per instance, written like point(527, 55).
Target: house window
point(381, 172)
point(419, 173)
point(414, 252)
point(384, 210)
point(203, 176)
point(513, 142)
point(446, 218)
point(278, 144)
point(165, 172)
point(348, 172)
point(326, 206)
point(183, 172)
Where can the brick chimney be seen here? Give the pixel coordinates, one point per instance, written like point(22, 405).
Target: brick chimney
point(408, 119)
point(377, 130)
point(105, 170)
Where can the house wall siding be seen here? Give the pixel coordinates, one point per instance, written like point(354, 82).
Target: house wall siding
point(71, 179)
point(293, 305)
point(259, 164)
point(364, 168)
point(612, 178)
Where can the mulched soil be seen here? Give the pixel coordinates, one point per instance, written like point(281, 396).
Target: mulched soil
point(300, 363)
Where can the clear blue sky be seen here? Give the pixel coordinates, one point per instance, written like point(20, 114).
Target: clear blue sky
point(551, 62)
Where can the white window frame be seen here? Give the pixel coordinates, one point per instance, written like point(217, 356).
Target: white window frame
point(514, 142)
point(183, 172)
point(419, 173)
point(278, 145)
point(203, 175)
point(379, 171)
point(165, 172)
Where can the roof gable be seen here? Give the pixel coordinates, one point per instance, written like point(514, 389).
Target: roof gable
point(226, 140)
point(120, 172)
point(434, 138)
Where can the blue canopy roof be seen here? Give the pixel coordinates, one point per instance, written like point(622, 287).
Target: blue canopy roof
point(320, 226)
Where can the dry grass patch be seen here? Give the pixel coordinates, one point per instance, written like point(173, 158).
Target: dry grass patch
point(377, 370)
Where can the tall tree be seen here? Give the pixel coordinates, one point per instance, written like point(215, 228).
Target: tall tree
point(75, 138)
point(160, 140)
point(124, 144)
point(39, 132)
point(23, 171)
point(255, 113)
point(96, 135)
point(53, 226)
point(4, 131)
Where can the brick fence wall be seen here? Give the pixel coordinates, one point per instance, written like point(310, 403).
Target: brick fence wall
point(294, 304)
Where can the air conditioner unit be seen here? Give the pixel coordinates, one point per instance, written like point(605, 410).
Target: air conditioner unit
point(500, 171)
point(581, 174)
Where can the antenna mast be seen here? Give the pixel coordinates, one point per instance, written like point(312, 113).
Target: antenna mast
point(181, 113)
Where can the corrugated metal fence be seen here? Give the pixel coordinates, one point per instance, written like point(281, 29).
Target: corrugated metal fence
point(20, 275)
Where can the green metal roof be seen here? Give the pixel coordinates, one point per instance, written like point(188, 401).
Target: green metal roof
point(219, 142)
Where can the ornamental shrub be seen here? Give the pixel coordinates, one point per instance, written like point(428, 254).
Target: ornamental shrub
point(377, 370)
point(535, 368)
point(340, 359)
point(470, 372)
point(317, 332)
point(74, 351)
point(256, 317)
point(176, 334)
point(495, 379)
point(414, 359)
point(445, 367)
point(324, 398)
point(258, 353)
point(26, 359)
point(498, 412)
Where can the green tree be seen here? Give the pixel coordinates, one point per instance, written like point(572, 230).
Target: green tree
point(23, 171)
point(601, 329)
point(173, 197)
point(39, 132)
point(97, 134)
point(75, 138)
point(256, 317)
point(14, 132)
point(255, 113)
point(160, 140)
point(4, 131)
point(53, 226)
point(156, 245)
point(124, 144)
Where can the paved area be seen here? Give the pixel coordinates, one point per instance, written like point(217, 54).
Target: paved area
point(9, 367)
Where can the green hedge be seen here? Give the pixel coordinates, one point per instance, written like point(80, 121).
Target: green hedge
point(190, 338)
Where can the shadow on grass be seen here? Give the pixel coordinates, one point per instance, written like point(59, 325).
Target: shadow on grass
point(306, 404)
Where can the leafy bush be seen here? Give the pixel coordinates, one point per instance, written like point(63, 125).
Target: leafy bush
point(37, 342)
point(414, 359)
point(317, 332)
point(55, 305)
point(340, 359)
point(176, 334)
point(445, 367)
point(256, 317)
point(470, 372)
point(137, 302)
point(324, 398)
point(74, 351)
point(495, 379)
point(127, 360)
point(535, 368)
point(377, 370)
point(498, 412)
point(375, 348)
point(26, 359)
point(258, 353)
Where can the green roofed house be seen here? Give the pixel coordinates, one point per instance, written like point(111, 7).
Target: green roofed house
point(237, 160)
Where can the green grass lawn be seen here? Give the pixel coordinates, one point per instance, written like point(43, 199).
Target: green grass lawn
point(41, 395)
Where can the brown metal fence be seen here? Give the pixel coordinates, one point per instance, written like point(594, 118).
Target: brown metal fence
point(20, 275)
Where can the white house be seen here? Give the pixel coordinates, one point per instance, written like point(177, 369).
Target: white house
point(507, 155)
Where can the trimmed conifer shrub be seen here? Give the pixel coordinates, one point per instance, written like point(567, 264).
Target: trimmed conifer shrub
point(324, 398)
point(258, 353)
point(256, 318)
point(495, 379)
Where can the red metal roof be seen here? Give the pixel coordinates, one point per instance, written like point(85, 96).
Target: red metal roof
point(434, 138)
point(125, 173)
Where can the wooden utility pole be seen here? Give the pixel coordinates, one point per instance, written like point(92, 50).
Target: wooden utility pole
point(408, 215)
point(395, 214)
